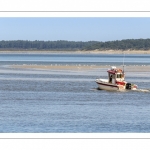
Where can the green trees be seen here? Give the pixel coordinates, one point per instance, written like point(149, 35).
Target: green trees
point(132, 44)
point(39, 45)
point(136, 44)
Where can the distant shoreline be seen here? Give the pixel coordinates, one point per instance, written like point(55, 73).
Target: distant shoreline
point(77, 52)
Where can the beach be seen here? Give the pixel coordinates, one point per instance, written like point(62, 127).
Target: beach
point(75, 52)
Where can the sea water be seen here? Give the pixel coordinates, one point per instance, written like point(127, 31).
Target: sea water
point(68, 101)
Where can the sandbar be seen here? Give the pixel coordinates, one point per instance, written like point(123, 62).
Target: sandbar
point(130, 68)
point(76, 52)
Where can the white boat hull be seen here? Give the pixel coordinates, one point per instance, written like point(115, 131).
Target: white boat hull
point(105, 85)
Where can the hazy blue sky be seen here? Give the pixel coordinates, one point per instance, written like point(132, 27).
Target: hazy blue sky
point(74, 29)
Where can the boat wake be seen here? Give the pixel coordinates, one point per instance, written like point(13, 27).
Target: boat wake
point(143, 90)
point(94, 89)
point(136, 90)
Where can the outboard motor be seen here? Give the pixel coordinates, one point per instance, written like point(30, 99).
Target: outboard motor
point(128, 86)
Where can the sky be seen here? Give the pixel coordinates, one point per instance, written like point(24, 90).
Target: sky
point(74, 28)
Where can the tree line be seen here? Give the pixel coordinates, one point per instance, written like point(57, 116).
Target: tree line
point(132, 44)
point(44, 45)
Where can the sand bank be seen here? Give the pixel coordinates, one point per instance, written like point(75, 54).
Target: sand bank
point(56, 67)
point(79, 52)
point(132, 68)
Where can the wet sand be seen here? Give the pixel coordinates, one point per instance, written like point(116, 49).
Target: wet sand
point(57, 67)
point(131, 68)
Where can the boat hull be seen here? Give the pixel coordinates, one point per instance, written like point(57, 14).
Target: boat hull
point(103, 85)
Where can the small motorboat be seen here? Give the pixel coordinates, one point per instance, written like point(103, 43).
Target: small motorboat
point(116, 81)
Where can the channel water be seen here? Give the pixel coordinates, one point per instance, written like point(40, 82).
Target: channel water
point(68, 101)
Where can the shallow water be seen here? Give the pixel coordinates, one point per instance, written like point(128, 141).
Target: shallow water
point(95, 59)
point(54, 101)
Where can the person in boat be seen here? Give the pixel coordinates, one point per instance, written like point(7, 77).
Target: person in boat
point(110, 79)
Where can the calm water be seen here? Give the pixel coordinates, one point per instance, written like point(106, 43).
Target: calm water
point(68, 101)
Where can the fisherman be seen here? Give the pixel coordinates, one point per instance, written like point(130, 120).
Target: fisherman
point(110, 79)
